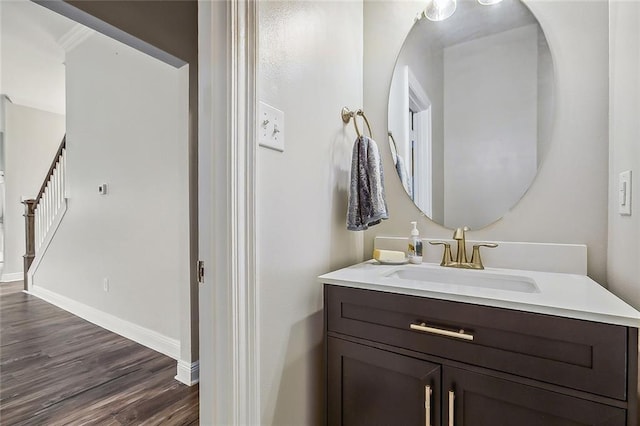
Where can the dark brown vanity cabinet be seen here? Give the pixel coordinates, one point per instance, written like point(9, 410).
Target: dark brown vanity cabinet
point(376, 387)
point(394, 359)
point(475, 399)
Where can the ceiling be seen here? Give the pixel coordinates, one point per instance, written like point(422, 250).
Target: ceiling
point(471, 21)
point(31, 56)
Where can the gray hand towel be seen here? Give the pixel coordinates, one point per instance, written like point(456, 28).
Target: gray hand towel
point(404, 176)
point(367, 204)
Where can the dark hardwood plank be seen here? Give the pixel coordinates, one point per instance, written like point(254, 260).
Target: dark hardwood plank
point(57, 369)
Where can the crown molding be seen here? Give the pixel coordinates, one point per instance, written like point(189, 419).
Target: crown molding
point(75, 36)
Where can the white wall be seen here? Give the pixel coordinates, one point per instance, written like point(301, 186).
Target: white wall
point(126, 128)
point(568, 200)
point(623, 268)
point(32, 56)
point(31, 139)
point(490, 125)
point(310, 67)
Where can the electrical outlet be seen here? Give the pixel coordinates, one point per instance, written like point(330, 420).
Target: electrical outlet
point(105, 284)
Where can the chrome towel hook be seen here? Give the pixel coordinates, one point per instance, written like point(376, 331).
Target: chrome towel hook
point(347, 115)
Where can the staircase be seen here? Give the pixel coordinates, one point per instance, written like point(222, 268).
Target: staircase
point(44, 214)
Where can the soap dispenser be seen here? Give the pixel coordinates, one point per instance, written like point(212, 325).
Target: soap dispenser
point(414, 252)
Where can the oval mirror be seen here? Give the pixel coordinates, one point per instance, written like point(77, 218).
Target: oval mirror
point(470, 111)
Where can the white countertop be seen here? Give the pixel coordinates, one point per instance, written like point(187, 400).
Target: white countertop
point(565, 295)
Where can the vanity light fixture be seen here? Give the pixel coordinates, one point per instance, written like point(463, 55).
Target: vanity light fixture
point(488, 2)
point(439, 10)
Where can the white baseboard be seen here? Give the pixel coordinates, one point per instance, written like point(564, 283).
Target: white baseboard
point(12, 277)
point(149, 338)
point(188, 372)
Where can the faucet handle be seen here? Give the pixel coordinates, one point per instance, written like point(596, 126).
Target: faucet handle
point(476, 261)
point(446, 255)
point(458, 233)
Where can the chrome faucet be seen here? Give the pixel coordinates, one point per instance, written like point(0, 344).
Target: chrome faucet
point(461, 254)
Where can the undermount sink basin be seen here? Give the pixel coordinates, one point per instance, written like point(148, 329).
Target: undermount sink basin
point(468, 278)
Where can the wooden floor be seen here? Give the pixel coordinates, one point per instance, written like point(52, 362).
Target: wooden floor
point(57, 369)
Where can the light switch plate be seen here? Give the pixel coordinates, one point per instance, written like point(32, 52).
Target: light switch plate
point(624, 193)
point(270, 127)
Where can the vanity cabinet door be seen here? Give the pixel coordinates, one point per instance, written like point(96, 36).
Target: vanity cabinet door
point(475, 399)
point(368, 386)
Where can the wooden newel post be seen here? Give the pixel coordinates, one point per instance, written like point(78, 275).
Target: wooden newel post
point(30, 236)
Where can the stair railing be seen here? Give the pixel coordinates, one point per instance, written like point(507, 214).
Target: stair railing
point(42, 212)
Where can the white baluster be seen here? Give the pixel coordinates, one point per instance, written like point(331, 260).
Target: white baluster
point(51, 195)
point(36, 230)
point(52, 200)
point(54, 190)
point(39, 219)
point(54, 195)
point(43, 216)
point(39, 223)
point(44, 211)
point(47, 207)
point(57, 176)
point(60, 185)
point(63, 167)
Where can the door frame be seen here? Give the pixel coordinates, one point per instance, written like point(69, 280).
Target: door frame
point(420, 103)
point(187, 366)
point(229, 311)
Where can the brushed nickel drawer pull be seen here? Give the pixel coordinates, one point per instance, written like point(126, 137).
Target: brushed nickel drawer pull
point(457, 334)
point(427, 405)
point(452, 396)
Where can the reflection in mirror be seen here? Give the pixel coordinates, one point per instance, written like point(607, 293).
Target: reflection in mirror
point(470, 111)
